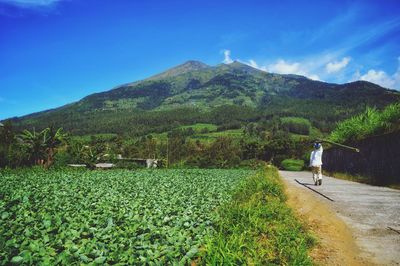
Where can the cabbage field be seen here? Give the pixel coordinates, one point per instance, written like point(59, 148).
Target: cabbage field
point(74, 217)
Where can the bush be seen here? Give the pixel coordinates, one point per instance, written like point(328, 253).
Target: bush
point(62, 158)
point(296, 125)
point(251, 164)
point(128, 165)
point(370, 122)
point(222, 153)
point(292, 164)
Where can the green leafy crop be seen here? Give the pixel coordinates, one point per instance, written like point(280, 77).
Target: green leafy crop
point(78, 217)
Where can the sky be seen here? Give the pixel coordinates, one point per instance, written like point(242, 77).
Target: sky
point(54, 52)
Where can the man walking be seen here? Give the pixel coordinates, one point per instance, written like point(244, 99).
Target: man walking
point(316, 163)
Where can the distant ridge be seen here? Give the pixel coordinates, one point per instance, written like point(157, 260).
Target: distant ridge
point(194, 84)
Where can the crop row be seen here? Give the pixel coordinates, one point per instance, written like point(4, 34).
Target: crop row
point(115, 217)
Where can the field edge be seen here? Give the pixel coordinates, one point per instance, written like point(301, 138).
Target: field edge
point(257, 227)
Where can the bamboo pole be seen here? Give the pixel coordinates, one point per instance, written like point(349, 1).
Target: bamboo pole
point(338, 144)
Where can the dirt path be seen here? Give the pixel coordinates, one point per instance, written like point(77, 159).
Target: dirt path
point(356, 223)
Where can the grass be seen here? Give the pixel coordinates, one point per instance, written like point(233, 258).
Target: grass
point(292, 164)
point(357, 178)
point(233, 133)
point(257, 227)
point(210, 136)
point(296, 125)
point(315, 133)
point(201, 126)
point(98, 137)
point(369, 123)
point(349, 177)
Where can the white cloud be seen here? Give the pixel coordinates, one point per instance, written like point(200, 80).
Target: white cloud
point(381, 78)
point(30, 3)
point(336, 66)
point(284, 67)
point(254, 64)
point(227, 57)
point(312, 67)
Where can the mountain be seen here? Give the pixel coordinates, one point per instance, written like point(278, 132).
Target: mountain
point(194, 91)
point(188, 66)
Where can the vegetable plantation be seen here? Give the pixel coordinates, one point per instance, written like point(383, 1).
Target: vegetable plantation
point(75, 217)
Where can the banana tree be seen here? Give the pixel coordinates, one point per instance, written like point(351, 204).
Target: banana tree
point(35, 142)
point(52, 140)
point(42, 145)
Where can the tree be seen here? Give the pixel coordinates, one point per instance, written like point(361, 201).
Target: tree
point(52, 139)
point(35, 143)
point(6, 134)
point(224, 152)
point(42, 146)
point(6, 140)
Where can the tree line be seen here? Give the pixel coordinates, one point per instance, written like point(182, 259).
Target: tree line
point(267, 141)
point(29, 147)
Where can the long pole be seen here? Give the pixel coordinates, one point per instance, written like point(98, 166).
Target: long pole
point(338, 144)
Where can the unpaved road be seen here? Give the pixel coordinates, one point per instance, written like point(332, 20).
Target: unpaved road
point(358, 224)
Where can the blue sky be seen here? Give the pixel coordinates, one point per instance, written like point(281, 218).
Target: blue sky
point(53, 52)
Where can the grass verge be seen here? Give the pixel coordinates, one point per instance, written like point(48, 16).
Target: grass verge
point(292, 164)
point(257, 227)
point(359, 179)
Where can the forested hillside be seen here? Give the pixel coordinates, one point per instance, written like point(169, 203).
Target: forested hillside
point(225, 94)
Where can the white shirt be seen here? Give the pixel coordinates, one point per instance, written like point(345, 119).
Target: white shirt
point(316, 157)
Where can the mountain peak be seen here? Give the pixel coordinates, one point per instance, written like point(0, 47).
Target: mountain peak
point(237, 65)
point(194, 63)
point(191, 65)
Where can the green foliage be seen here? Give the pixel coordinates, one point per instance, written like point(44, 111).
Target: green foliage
point(29, 148)
point(35, 142)
point(75, 216)
point(257, 228)
point(89, 156)
point(42, 145)
point(201, 127)
point(370, 122)
point(292, 164)
point(222, 153)
point(6, 142)
point(94, 138)
point(296, 125)
point(128, 165)
point(228, 96)
point(212, 136)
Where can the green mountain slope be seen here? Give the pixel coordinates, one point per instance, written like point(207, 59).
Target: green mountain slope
point(195, 92)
